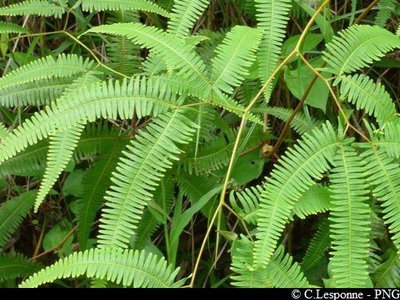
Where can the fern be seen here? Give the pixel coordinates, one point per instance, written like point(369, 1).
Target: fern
point(386, 8)
point(387, 275)
point(138, 173)
point(11, 28)
point(384, 178)
point(233, 57)
point(357, 47)
point(349, 220)
point(16, 265)
point(109, 99)
point(143, 5)
point(61, 149)
point(33, 7)
point(272, 18)
point(365, 94)
point(314, 200)
point(12, 212)
point(298, 169)
point(281, 272)
point(318, 246)
point(184, 14)
point(129, 268)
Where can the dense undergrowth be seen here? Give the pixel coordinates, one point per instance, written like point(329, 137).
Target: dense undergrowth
point(248, 143)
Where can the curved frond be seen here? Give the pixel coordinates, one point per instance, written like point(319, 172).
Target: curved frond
point(128, 267)
point(369, 96)
point(12, 212)
point(313, 201)
point(384, 179)
point(385, 10)
point(318, 246)
point(16, 265)
point(387, 275)
point(234, 56)
point(246, 203)
point(11, 28)
point(350, 220)
point(61, 148)
point(297, 170)
point(177, 54)
point(45, 68)
point(33, 7)
point(281, 272)
point(357, 47)
point(184, 14)
point(139, 173)
point(272, 17)
point(108, 100)
point(143, 5)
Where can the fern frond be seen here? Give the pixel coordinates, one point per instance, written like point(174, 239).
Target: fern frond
point(16, 265)
point(281, 272)
point(12, 212)
point(318, 246)
point(177, 54)
point(248, 203)
point(272, 17)
point(61, 148)
point(3, 131)
point(94, 186)
point(138, 174)
point(298, 168)
point(350, 220)
point(234, 56)
point(129, 268)
point(33, 7)
point(12, 28)
point(107, 100)
point(389, 139)
point(45, 68)
point(121, 5)
point(384, 179)
point(41, 92)
point(369, 96)
point(385, 10)
point(387, 275)
point(315, 200)
point(184, 14)
point(357, 47)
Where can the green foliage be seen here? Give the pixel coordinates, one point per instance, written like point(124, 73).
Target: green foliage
point(126, 125)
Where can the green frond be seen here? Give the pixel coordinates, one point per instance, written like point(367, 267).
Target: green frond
point(139, 173)
point(41, 92)
point(389, 139)
point(61, 149)
point(121, 5)
point(281, 272)
point(357, 47)
point(176, 54)
point(128, 267)
point(33, 7)
point(246, 203)
point(94, 186)
point(296, 172)
point(98, 283)
point(350, 220)
point(3, 131)
point(63, 66)
point(11, 28)
point(16, 265)
point(234, 56)
point(12, 213)
point(314, 201)
point(272, 17)
point(300, 123)
point(184, 14)
point(319, 244)
point(385, 9)
point(384, 178)
point(369, 96)
point(387, 275)
point(110, 99)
